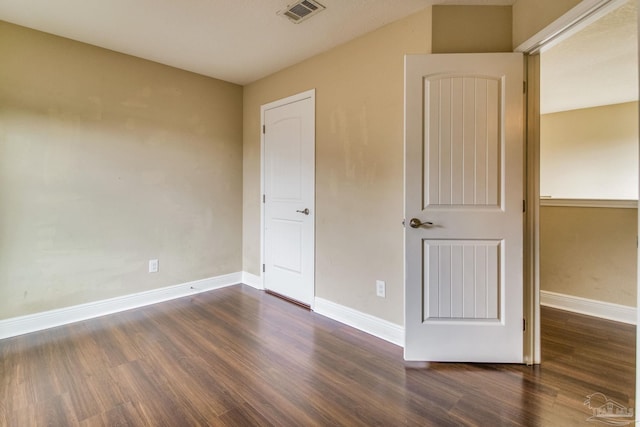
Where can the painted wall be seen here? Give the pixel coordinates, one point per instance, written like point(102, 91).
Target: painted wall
point(359, 160)
point(590, 153)
point(107, 161)
point(359, 163)
point(531, 16)
point(589, 252)
point(471, 29)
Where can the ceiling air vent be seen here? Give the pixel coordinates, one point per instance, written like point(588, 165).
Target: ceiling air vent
point(299, 11)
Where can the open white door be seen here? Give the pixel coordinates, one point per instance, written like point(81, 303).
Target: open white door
point(464, 176)
point(289, 197)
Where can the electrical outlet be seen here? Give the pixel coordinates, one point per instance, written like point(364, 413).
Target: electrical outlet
point(153, 266)
point(381, 288)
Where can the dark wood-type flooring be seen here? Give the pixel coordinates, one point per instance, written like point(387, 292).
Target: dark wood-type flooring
point(239, 357)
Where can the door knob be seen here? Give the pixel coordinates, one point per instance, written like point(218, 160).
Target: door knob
point(416, 223)
point(305, 211)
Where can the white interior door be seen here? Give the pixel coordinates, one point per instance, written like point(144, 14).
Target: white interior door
point(289, 196)
point(464, 174)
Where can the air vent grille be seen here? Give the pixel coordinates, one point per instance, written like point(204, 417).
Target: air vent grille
point(301, 10)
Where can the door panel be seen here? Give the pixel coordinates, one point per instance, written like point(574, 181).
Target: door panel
point(462, 279)
point(464, 176)
point(289, 186)
point(463, 145)
point(287, 245)
point(284, 160)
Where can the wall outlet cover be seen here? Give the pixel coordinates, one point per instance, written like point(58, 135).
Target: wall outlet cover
point(381, 290)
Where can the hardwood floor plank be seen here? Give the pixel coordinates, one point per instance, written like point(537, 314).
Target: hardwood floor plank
point(56, 411)
point(123, 415)
point(242, 416)
point(240, 357)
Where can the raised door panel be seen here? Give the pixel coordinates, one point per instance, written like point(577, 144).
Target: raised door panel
point(463, 142)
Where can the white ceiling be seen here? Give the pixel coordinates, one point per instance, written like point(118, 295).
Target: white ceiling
point(596, 66)
point(239, 41)
point(244, 40)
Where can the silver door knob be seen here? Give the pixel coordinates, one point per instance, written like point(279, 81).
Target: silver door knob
point(305, 211)
point(416, 223)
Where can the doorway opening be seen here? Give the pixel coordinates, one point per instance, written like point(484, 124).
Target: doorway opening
point(588, 170)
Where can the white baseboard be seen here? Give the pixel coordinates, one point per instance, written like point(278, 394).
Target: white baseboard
point(252, 280)
point(49, 319)
point(365, 322)
point(605, 310)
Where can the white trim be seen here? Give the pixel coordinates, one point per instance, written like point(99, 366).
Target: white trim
point(365, 322)
point(311, 93)
point(604, 310)
point(49, 319)
point(589, 203)
point(532, 351)
point(577, 18)
point(252, 280)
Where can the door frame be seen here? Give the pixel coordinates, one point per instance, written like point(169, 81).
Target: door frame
point(311, 93)
point(583, 14)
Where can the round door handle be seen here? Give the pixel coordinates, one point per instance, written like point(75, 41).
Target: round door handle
point(305, 211)
point(416, 223)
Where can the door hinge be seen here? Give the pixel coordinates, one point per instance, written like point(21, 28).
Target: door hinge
point(264, 198)
point(524, 325)
point(524, 87)
point(524, 206)
point(263, 268)
point(264, 129)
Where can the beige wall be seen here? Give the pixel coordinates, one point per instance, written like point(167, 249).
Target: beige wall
point(590, 153)
point(107, 161)
point(471, 29)
point(359, 163)
point(482, 29)
point(589, 253)
point(531, 16)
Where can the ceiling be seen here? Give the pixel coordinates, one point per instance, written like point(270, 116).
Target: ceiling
point(596, 66)
point(239, 41)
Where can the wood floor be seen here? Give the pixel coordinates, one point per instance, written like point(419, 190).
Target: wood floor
point(240, 357)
